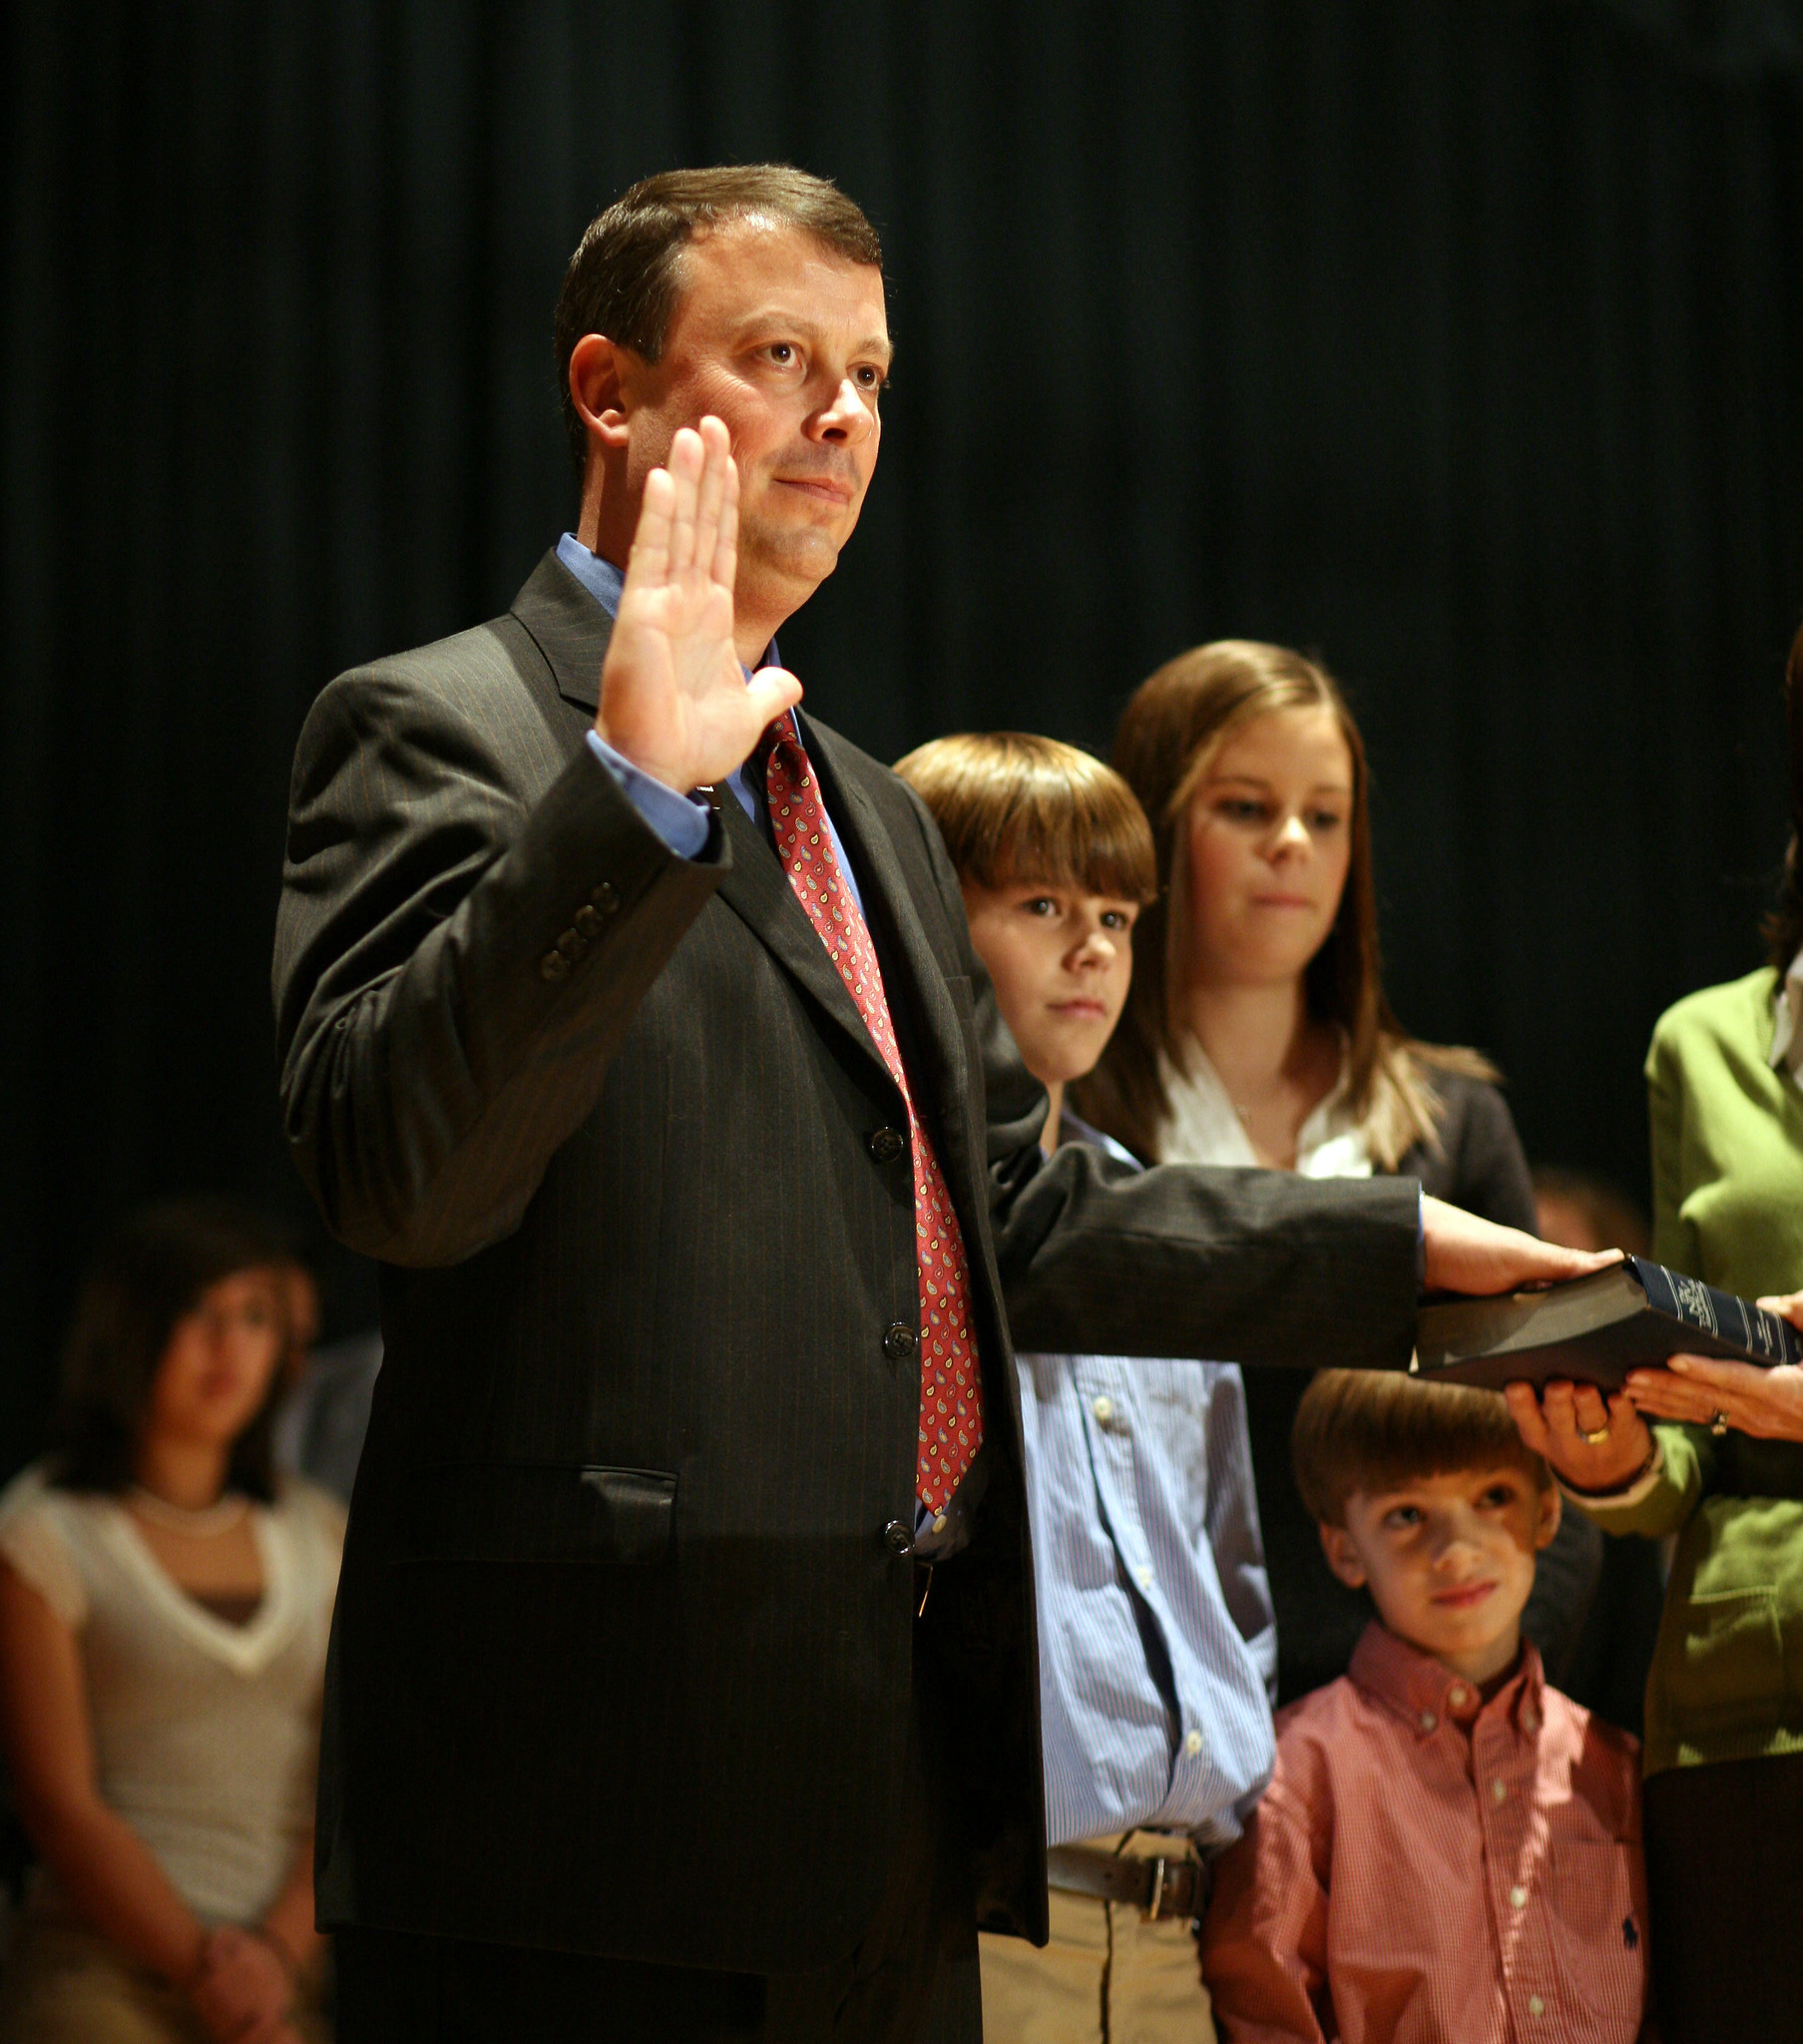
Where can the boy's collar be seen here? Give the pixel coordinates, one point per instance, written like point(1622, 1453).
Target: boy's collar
point(1428, 1694)
point(1073, 1128)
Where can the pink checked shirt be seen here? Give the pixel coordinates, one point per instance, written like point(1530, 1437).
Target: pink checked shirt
point(1429, 1869)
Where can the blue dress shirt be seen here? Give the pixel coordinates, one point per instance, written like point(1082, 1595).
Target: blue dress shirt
point(1158, 1643)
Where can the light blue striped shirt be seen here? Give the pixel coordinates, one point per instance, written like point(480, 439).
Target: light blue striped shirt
point(1158, 1645)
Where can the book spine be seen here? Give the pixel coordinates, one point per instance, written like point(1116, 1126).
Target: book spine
point(1697, 1304)
point(1777, 1340)
point(1685, 1300)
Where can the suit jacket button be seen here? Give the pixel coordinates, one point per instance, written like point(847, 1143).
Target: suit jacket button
point(898, 1540)
point(886, 1144)
point(570, 945)
point(553, 965)
point(605, 897)
point(588, 923)
point(900, 1342)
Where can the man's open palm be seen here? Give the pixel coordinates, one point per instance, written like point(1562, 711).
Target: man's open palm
point(673, 696)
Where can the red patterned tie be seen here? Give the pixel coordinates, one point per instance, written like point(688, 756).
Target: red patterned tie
point(951, 1393)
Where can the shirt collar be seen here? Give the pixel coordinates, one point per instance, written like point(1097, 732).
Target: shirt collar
point(1073, 1128)
point(1428, 1694)
point(604, 582)
point(1202, 1126)
point(1787, 1020)
point(600, 577)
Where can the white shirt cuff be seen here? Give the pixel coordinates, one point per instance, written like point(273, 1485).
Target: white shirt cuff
point(680, 819)
point(1631, 1494)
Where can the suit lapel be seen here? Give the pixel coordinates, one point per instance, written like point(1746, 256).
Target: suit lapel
point(890, 910)
point(756, 889)
point(569, 628)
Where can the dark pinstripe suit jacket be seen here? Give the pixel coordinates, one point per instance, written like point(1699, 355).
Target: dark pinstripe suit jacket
point(621, 1661)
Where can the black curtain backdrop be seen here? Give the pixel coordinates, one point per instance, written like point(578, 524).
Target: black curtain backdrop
point(1459, 340)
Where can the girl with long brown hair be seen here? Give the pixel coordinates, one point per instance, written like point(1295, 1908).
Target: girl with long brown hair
point(1257, 1034)
point(1265, 906)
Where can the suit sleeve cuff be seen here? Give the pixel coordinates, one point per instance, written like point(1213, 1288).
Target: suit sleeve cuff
point(679, 820)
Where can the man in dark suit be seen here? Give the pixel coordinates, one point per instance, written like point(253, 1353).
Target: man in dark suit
point(683, 1677)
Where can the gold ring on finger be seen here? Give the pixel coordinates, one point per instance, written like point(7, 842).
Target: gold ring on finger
point(1593, 1436)
point(1718, 1424)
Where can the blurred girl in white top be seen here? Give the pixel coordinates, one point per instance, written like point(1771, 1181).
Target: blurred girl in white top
point(164, 1611)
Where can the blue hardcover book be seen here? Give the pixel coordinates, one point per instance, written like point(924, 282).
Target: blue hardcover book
point(1594, 1330)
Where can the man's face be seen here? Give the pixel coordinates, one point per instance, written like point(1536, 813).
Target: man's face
point(1449, 1561)
point(788, 344)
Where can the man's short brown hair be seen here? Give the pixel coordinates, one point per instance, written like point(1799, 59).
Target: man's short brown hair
point(625, 275)
point(1013, 806)
point(1374, 1430)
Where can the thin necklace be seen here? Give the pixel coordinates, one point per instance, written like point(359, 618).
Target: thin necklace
point(205, 1524)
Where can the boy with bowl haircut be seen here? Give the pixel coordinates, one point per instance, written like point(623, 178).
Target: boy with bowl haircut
point(1157, 1652)
point(1449, 1847)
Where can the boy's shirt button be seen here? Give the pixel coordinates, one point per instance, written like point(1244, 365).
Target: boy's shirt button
point(1535, 2007)
point(1428, 1721)
point(1457, 1696)
point(1518, 1897)
point(1104, 1409)
point(1499, 1792)
point(1192, 1745)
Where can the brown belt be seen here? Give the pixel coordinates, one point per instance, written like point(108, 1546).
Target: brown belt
point(1162, 1888)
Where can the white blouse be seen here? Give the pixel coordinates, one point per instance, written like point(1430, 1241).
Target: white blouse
point(205, 1733)
point(1202, 1125)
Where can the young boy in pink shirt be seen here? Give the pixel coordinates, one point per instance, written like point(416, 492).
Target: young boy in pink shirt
point(1450, 1849)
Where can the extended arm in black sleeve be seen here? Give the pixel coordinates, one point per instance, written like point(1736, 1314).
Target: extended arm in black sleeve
point(1096, 1257)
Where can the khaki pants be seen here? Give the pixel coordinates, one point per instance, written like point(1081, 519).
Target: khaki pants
point(67, 1985)
point(1109, 1976)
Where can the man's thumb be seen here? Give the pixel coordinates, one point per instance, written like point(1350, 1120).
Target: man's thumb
point(772, 690)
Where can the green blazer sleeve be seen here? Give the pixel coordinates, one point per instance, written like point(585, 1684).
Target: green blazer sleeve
point(1688, 1453)
point(1687, 1464)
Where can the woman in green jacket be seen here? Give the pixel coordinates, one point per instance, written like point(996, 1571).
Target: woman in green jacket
point(1723, 1470)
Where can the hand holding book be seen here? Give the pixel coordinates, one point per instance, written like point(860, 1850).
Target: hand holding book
point(1607, 1351)
point(1752, 1399)
point(1595, 1446)
point(1461, 1253)
point(1596, 1329)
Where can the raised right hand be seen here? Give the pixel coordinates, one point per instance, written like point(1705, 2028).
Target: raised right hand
point(673, 698)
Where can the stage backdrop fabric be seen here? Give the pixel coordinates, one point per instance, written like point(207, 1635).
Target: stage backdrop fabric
point(1459, 340)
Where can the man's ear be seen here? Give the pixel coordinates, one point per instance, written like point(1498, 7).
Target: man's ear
point(599, 374)
point(1342, 1555)
point(1551, 1505)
